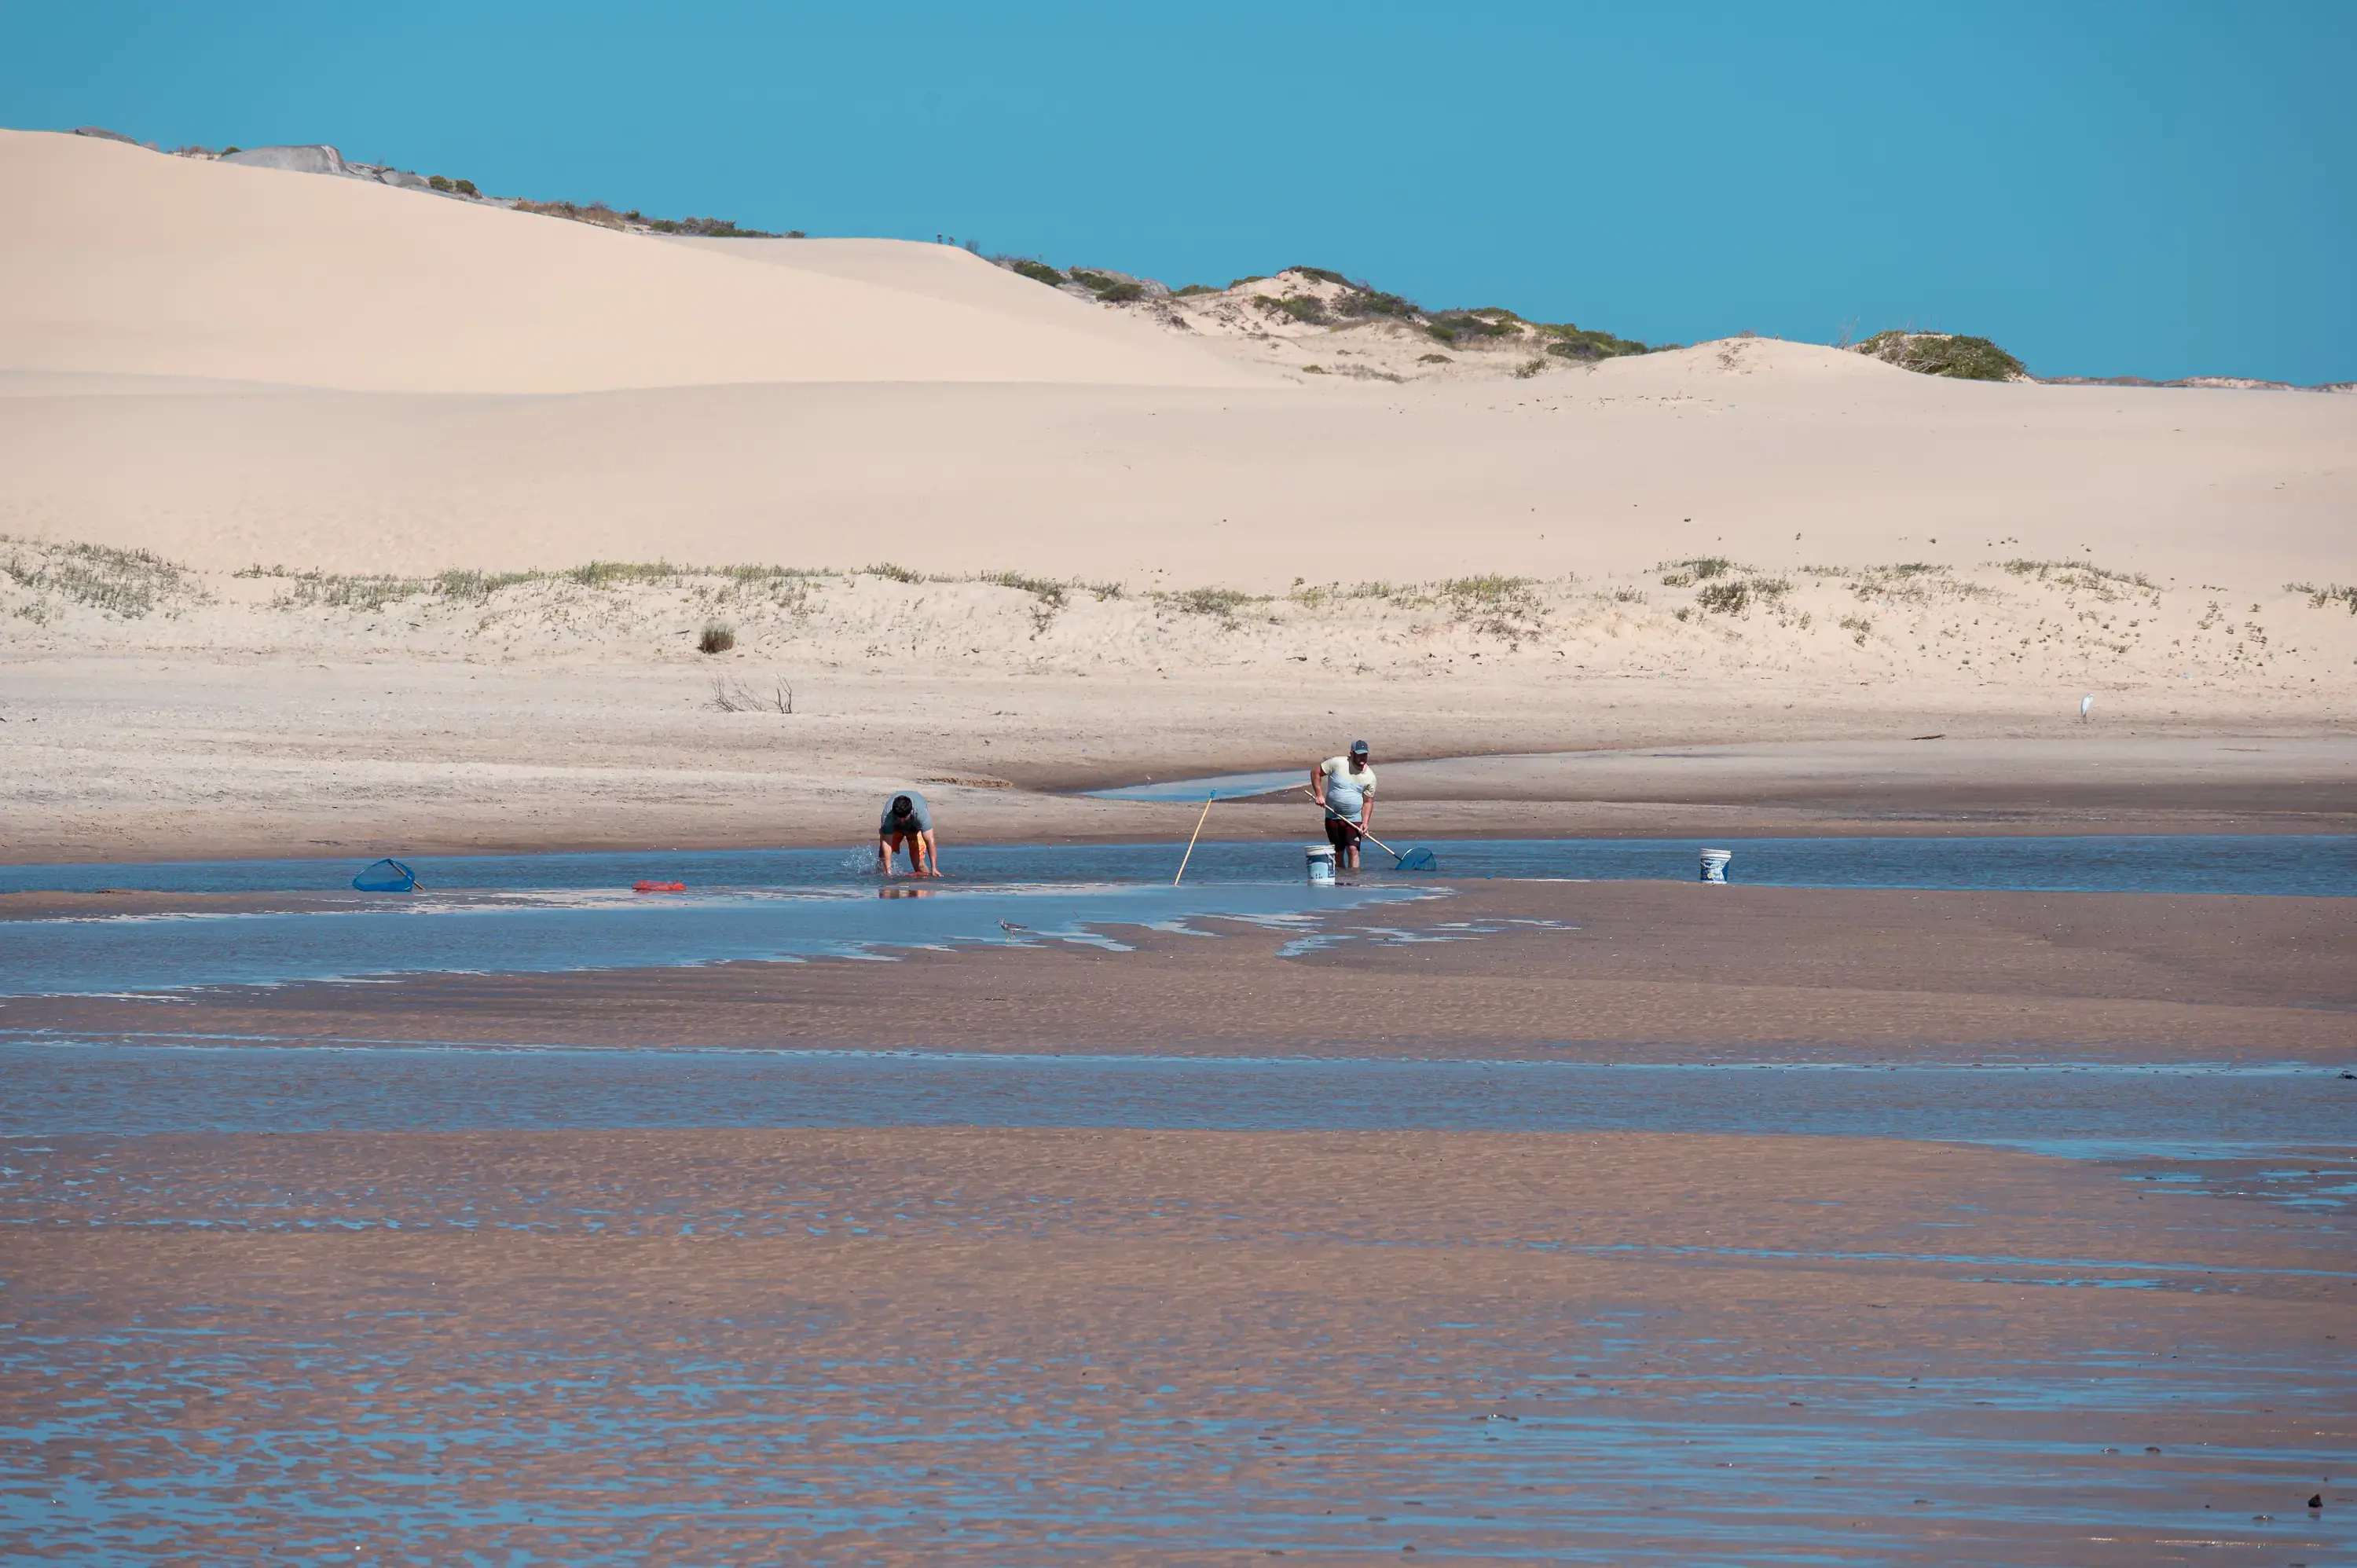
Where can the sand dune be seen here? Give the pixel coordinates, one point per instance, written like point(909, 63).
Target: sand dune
point(1794, 456)
point(942, 273)
point(831, 403)
point(237, 366)
point(120, 260)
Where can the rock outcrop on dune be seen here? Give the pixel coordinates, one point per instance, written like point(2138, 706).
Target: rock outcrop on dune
point(119, 262)
point(2223, 383)
point(317, 158)
point(1315, 321)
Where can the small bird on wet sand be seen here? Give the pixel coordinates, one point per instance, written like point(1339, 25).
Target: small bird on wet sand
point(1011, 925)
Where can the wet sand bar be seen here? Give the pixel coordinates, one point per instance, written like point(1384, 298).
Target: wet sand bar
point(941, 1344)
point(930, 1344)
point(1628, 970)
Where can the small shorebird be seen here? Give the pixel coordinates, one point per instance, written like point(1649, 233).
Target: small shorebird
point(1011, 925)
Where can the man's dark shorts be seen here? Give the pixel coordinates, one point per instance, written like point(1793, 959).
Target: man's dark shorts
point(1341, 834)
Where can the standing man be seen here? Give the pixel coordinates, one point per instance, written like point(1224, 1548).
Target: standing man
point(1345, 787)
point(908, 821)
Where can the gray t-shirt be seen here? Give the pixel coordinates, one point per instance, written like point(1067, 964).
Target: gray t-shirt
point(918, 819)
point(1347, 791)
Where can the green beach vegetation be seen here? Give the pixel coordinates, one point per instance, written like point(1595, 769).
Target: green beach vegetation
point(2327, 597)
point(1949, 354)
point(125, 583)
point(1322, 296)
point(605, 217)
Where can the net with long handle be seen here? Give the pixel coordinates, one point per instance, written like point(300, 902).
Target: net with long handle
point(1416, 859)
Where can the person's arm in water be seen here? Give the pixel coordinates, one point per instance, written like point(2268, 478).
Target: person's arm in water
point(883, 856)
point(927, 851)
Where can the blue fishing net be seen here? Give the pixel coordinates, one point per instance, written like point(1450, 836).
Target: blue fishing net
point(386, 876)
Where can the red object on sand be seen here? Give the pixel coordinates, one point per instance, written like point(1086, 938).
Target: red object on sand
point(658, 887)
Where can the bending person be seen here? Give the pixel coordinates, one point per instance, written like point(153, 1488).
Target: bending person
point(1345, 787)
point(907, 821)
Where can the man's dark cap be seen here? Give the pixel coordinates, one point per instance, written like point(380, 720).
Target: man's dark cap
point(1357, 748)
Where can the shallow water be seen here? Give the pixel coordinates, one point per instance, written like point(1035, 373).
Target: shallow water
point(2090, 1110)
point(2305, 863)
point(269, 1416)
point(300, 1434)
point(1225, 786)
point(558, 931)
point(538, 913)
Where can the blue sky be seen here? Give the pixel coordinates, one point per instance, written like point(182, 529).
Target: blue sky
point(2154, 189)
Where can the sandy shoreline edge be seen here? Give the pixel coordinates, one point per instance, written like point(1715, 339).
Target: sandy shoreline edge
point(385, 775)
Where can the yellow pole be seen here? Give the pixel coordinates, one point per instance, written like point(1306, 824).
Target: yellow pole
point(1193, 836)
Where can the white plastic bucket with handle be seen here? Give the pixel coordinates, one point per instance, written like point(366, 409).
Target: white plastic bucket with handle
point(1714, 864)
point(1321, 864)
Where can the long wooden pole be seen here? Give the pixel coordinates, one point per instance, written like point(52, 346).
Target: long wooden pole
point(1193, 836)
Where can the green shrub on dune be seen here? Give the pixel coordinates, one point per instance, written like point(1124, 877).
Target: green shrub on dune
point(1571, 342)
point(1944, 354)
point(1038, 272)
point(1110, 289)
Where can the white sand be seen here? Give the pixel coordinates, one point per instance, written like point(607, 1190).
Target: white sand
point(237, 366)
point(942, 272)
point(120, 260)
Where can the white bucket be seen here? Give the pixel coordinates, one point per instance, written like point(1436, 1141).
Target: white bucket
point(1714, 864)
point(1321, 864)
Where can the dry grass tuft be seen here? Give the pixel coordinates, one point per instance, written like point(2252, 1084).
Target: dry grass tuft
point(732, 696)
point(2321, 598)
point(125, 583)
point(1048, 596)
point(1221, 602)
point(1502, 607)
point(1695, 569)
point(2082, 576)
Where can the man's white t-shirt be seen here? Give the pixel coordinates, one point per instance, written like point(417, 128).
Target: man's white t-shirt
point(1347, 792)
